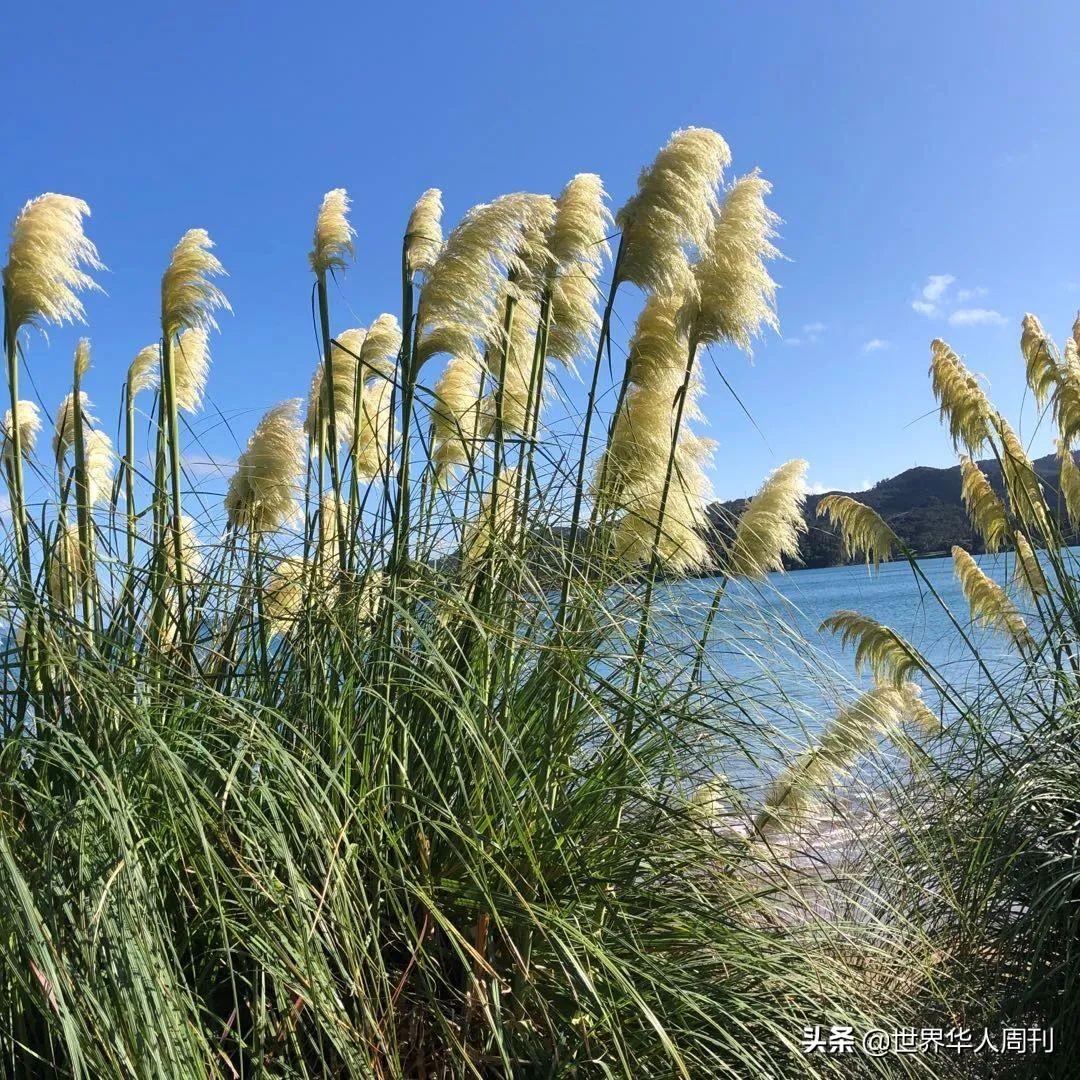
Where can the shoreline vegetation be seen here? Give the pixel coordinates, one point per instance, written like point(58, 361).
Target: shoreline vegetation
point(286, 792)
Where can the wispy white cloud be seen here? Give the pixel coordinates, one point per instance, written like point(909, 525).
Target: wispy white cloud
point(811, 334)
point(977, 317)
point(963, 295)
point(924, 307)
point(875, 345)
point(818, 489)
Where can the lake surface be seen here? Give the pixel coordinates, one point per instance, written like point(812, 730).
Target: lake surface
point(767, 638)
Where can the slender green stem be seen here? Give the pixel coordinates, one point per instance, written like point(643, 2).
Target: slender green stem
point(328, 397)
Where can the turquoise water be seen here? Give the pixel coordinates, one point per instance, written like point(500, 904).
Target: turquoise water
point(767, 638)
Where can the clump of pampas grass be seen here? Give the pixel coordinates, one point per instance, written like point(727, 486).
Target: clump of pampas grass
point(960, 397)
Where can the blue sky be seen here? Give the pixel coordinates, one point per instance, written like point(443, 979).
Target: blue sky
point(924, 159)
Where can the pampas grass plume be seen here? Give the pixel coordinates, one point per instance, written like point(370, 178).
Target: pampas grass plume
point(144, 372)
point(29, 426)
point(989, 604)
point(862, 530)
point(44, 272)
point(263, 492)
point(423, 234)
point(189, 298)
point(769, 528)
point(332, 245)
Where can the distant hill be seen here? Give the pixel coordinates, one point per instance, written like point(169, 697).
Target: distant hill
point(921, 505)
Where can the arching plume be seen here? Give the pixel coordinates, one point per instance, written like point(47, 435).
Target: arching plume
point(423, 234)
point(1028, 574)
point(1067, 394)
point(673, 208)
point(986, 510)
point(988, 601)
point(882, 649)
point(962, 401)
point(332, 246)
point(769, 528)
point(853, 732)
point(861, 529)
point(189, 298)
point(263, 492)
point(1022, 483)
point(1040, 358)
point(82, 357)
point(1069, 480)
point(44, 272)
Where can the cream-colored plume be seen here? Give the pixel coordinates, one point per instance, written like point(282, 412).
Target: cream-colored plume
point(64, 431)
point(673, 208)
point(377, 433)
point(1069, 480)
point(44, 272)
point(381, 347)
point(332, 246)
point(1040, 358)
point(510, 362)
point(263, 492)
point(882, 649)
point(734, 295)
point(188, 297)
point(144, 371)
point(990, 605)
point(1022, 483)
point(1067, 393)
point(29, 426)
point(82, 357)
point(460, 418)
point(986, 510)
point(681, 546)
point(191, 368)
point(1028, 574)
point(100, 463)
point(853, 732)
point(66, 571)
point(534, 256)
point(960, 397)
point(769, 528)
point(579, 246)
point(345, 350)
point(283, 596)
point(463, 286)
point(861, 529)
point(423, 234)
